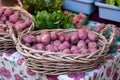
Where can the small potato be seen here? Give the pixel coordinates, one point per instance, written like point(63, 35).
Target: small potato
point(81, 44)
point(8, 12)
point(44, 38)
point(67, 51)
point(54, 35)
point(61, 37)
point(14, 17)
point(82, 34)
point(61, 47)
point(34, 47)
point(9, 23)
point(29, 39)
point(92, 36)
point(92, 45)
point(92, 50)
point(73, 48)
point(67, 37)
point(19, 25)
point(3, 18)
point(87, 41)
point(56, 48)
point(50, 48)
point(27, 22)
point(27, 44)
point(74, 38)
point(86, 28)
point(82, 15)
point(57, 43)
point(67, 44)
point(76, 51)
point(40, 46)
point(83, 51)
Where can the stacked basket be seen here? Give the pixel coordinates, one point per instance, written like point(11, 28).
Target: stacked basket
point(6, 42)
point(54, 63)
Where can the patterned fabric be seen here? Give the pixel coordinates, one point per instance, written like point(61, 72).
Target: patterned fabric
point(12, 67)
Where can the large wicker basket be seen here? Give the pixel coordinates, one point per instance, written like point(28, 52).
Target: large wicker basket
point(55, 63)
point(6, 43)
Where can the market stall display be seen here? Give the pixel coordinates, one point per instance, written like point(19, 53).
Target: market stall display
point(14, 17)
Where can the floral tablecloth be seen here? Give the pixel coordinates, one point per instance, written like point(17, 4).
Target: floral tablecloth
point(12, 67)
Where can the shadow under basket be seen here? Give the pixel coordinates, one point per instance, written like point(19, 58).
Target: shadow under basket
point(6, 41)
point(55, 63)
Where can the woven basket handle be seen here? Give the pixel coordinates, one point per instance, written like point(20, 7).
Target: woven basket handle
point(20, 3)
point(14, 33)
point(112, 33)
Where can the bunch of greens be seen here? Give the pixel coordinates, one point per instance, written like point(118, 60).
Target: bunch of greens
point(113, 2)
point(38, 5)
point(56, 19)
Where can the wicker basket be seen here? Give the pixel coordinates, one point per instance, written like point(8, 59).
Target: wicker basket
point(6, 43)
point(54, 63)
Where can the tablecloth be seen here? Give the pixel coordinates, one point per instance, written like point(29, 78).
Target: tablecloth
point(12, 67)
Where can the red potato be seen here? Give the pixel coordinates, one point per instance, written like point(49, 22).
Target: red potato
point(81, 44)
point(61, 37)
point(27, 22)
point(67, 51)
point(78, 26)
point(82, 15)
point(20, 26)
point(9, 23)
point(14, 17)
point(1, 10)
point(74, 38)
point(29, 39)
point(92, 36)
point(57, 43)
point(97, 28)
point(75, 19)
point(34, 47)
point(87, 41)
point(44, 38)
point(8, 12)
point(50, 48)
point(67, 44)
point(82, 34)
point(61, 47)
point(27, 44)
point(83, 51)
point(76, 51)
point(54, 35)
point(3, 18)
point(92, 50)
point(67, 37)
point(1, 22)
point(73, 48)
point(86, 28)
point(56, 48)
point(92, 45)
point(40, 46)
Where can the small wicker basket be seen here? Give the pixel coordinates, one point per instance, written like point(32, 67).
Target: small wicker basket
point(54, 63)
point(6, 43)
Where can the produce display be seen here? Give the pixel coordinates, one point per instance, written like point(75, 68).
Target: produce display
point(15, 18)
point(78, 42)
point(59, 19)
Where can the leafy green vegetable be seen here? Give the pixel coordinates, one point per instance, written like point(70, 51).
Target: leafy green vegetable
point(38, 5)
point(46, 20)
point(113, 2)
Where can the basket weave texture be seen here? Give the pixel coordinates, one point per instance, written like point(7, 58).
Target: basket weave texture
point(54, 63)
point(6, 43)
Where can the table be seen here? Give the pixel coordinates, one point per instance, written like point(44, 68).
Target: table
point(12, 67)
